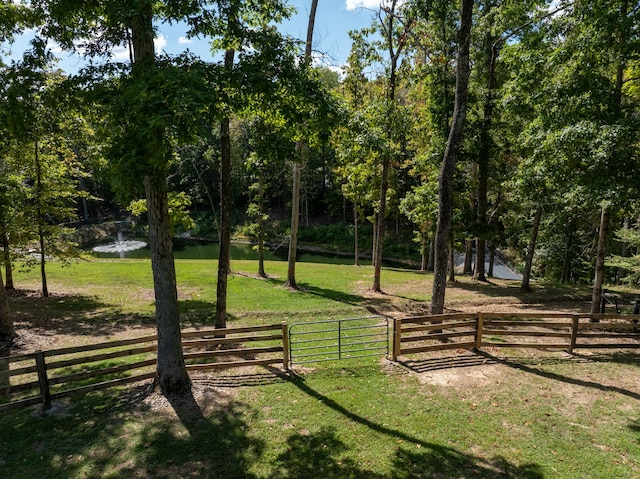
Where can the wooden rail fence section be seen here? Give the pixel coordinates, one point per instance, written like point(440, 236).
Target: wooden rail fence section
point(63, 372)
point(514, 330)
point(43, 376)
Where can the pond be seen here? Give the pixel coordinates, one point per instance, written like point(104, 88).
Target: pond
point(194, 249)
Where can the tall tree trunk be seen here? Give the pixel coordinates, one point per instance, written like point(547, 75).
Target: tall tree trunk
point(526, 276)
point(295, 220)
point(297, 169)
point(6, 251)
point(39, 214)
point(624, 250)
point(599, 276)
point(468, 258)
point(617, 105)
point(356, 246)
point(452, 259)
point(224, 260)
point(394, 55)
point(491, 52)
point(381, 224)
point(445, 180)
point(261, 271)
point(432, 254)
point(424, 251)
point(375, 240)
point(6, 319)
point(492, 259)
point(171, 374)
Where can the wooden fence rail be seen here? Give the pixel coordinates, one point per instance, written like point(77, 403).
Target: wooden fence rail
point(63, 372)
point(514, 330)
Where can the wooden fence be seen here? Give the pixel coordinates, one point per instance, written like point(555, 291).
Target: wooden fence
point(43, 376)
point(514, 330)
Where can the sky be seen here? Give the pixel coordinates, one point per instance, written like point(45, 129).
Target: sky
point(331, 45)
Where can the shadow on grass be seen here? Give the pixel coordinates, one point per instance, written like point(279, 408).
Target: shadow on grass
point(306, 454)
point(452, 362)
point(140, 434)
point(521, 366)
point(103, 436)
point(547, 293)
point(197, 313)
point(71, 314)
point(635, 427)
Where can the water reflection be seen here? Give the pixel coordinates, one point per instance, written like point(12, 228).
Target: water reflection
point(193, 249)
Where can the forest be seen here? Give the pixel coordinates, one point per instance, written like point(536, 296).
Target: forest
point(455, 126)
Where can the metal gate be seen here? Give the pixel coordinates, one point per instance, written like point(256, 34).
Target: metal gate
point(338, 339)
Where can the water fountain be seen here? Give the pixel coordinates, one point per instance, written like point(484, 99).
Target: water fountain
point(120, 245)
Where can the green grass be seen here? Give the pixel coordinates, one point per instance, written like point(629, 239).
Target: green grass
point(510, 414)
point(358, 421)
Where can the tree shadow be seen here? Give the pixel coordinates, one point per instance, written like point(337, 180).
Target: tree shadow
point(197, 313)
point(521, 366)
point(104, 436)
point(434, 460)
point(71, 314)
point(550, 293)
point(635, 427)
point(342, 297)
point(315, 455)
point(420, 366)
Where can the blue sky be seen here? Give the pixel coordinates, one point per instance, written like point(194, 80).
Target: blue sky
point(334, 19)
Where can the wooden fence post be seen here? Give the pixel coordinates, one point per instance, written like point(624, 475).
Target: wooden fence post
point(575, 319)
point(43, 380)
point(285, 346)
point(479, 328)
point(397, 335)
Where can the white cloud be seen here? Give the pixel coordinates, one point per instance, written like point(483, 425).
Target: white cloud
point(184, 40)
point(353, 4)
point(160, 42)
point(120, 54)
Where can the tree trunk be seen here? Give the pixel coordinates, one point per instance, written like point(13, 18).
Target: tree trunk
point(452, 260)
point(375, 240)
point(445, 180)
point(432, 254)
point(424, 251)
point(382, 208)
point(599, 277)
point(6, 319)
point(492, 259)
point(8, 264)
point(6, 250)
point(526, 276)
point(356, 246)
point(224, 260)
point(261, 271)
point(295, 220)
point(491, 52)
point(297, 169)
point(468, 258)
point(171, 374)
point(41, 239)
point(624, 250)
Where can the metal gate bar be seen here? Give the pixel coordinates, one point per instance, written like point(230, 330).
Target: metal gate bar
point(337, 339)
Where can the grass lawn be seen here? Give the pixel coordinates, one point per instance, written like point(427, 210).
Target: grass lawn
point(506, 413)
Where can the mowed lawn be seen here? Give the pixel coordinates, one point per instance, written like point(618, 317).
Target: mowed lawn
point(506, 413)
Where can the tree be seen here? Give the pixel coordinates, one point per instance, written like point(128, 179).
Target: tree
point(297, 169)
point(142, 117)
point(445, 180)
